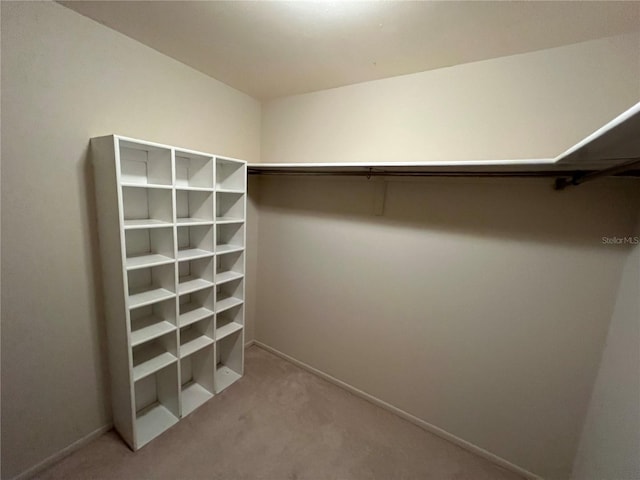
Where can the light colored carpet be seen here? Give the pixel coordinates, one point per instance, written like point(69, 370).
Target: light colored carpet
point(280, 422)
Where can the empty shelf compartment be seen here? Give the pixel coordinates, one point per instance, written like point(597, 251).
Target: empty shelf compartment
point(152, 321)
point(150, 285)
point(145, 207)
point(223, 303)
point(156, 400)
point(229, 267)
point(195, 242)
point(229, 294)
point(142, 164)
point(195, 306)
point(194, 170)
point(148, 247)
point(152, 356)
point(193, 207)
point(229, 361)
point(195, 275)
point(196, 373)
point(196, 336)
point(230, 207)
point(229, 238)
point(229, 321)
point(230, 174)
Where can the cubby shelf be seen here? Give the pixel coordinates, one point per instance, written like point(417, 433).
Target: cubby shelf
point(230, 190)
point(227, 329)
point(194, 344)
point(186, 221)
point(227, 303)
point(193, 395)
point(228, 361)
point(144, 261)
point(154, 328)
point(191, 284)
point(192, 314)
point(195, 189)
point(227, 220)
point(146, 223)
point(145, 185)
point(225, 377)
point(147, 297)
point(193, 253)
point(222, 249)
point(152, 421)
point(227, 277)
point(172, 239)
point(151, 360)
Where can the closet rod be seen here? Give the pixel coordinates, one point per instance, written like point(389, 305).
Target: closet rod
point(379, 173)
point(579, 178)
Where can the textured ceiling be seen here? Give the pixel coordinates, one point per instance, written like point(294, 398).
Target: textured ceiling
point(273, 49)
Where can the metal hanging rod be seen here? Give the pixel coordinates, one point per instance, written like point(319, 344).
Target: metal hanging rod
point(379, 173)
point(563, 179)
point(579, 178)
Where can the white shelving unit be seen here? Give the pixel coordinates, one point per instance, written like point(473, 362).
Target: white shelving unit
point(172, 239)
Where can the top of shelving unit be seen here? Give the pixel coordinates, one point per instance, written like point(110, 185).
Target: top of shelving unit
point(134, 143)
point(614, 144)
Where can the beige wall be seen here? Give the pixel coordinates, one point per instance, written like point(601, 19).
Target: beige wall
point(65, 79)
point(610, 441)
point(480, 307)
point(525, 106)
point(424, 331)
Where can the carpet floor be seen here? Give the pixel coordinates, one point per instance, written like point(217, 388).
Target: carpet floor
point(280, 422)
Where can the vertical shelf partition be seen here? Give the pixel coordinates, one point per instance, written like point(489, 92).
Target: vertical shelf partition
point(172, 239)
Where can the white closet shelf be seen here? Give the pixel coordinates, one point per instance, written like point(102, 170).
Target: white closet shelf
point(152, 421)
point(614, 145)
point(227, 303)
point(147, 297)
point(194, 343)
point(150, 260)
point(193, 395)
point(184, 221)
point(227, 220)
point(146, 185)
point(225, 277)
point(227, 329)
point(153, 359)
point(155, 328)
point(230, 190)
point(190, 284)
point(193, 253)
point(146, 223)
point(194, 189)
point(225, 377)
point(193, 313)
point(227, 248)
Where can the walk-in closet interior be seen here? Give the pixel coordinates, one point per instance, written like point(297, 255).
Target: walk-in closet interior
point(312, 240)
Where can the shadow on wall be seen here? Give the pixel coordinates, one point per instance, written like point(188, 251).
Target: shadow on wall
point(519, 209)
point(95, 266)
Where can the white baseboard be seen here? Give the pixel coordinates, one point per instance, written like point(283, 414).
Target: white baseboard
point(56, 457)
point(407, 416)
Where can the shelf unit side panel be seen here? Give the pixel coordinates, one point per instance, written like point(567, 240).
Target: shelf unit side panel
point(244, 265)
point(104, 152)
point(174, 228)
